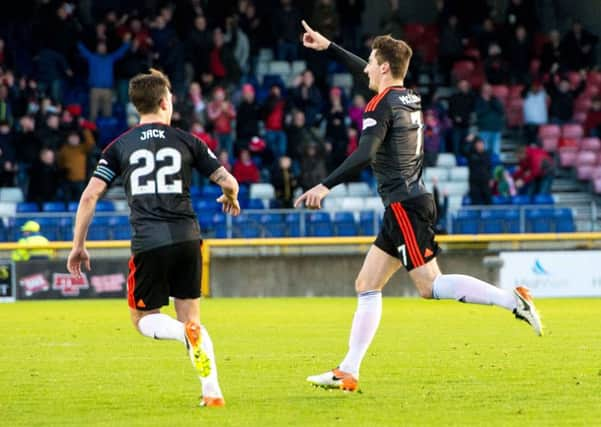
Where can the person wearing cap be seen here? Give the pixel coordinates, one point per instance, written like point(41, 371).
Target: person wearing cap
point(31, 236)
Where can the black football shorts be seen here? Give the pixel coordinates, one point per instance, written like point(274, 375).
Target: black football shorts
point(155, 275)
point(407, 231)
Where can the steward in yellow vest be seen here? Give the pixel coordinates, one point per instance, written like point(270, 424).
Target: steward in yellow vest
point(32, 236)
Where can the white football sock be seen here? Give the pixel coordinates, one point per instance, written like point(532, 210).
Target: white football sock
point(210, 384)
point(161, 327)
point(471, 290)
point(365, 324)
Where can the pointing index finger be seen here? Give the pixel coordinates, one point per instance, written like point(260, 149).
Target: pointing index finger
point(306, 26)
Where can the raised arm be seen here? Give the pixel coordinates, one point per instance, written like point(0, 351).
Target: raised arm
point(314, 40)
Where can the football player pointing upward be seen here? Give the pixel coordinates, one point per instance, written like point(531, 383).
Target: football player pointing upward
point(156, 162)
point(392, 143)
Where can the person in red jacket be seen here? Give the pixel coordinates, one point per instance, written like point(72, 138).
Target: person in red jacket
point(535, 171)
point(245, 171)
point(592, 124)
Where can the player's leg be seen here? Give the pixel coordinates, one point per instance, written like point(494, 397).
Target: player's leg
point(416, 218)
point(377, 269)
point(147, 292)
point(185, 287)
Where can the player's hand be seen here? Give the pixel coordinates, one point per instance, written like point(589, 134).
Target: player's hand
point(312, 39)
point(313, 197)
point(230, 205)
point(76, 258)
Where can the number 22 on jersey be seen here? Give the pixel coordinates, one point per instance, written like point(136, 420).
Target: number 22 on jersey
point(147, 161)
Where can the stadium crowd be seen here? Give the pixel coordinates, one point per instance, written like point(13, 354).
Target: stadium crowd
point(65, 66)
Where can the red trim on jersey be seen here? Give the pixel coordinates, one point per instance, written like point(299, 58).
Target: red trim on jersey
point(131, 283)
point(408, 234)
point(373, 103)
point(125, 132)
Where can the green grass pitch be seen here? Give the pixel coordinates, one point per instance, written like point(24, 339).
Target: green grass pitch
point(81, 363)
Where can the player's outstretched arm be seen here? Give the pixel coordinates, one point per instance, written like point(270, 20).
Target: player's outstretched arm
point(314, 40)
point(229, 186)
point(85, 211)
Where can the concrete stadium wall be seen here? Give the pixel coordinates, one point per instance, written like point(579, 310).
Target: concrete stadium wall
point(319, 275)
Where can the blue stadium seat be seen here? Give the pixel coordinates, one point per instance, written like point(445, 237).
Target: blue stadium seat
point(521, 199)
point(512, 220)
point(205, 207)
point(564, 220)
point(246, 226)
point(27, 207)
point(491, 221)
point(211, 191)
point(195, 192)
point(122, 233)
point(540, 220)
point(219, 225)
point(273, 225)
point(109, 128)
point(366, 223)
point(543, 199)
point(98, 232)
point(293, 220)
point(255, 204)
point(54, 207)
point(105, 206)
point(466, 221)
point(72, 206)
point(344, 223)
point(118, 221)
point(319, 224)
point(466, 201)
point(501, 200)
point(273, 79)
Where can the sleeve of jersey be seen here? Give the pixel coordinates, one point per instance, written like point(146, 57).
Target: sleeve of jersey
point(355, 64)
point(375, 126)
point(107, 168)
point(206, 161)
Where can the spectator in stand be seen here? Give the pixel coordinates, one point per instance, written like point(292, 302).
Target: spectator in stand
point(6, 57)
point(50, 134)
point(490, 119)
point(307, 97)
point(518, 55)
point(286, 31)
point(535, 110)
point(356, 110)
point(221, 113)
point(8, 161)
point(284, 182)
point(194, 104)
point(350, 12)
point(503, 184)
point(336, 130)
point(299, 136)
point(592, 124)
point(224, 160)
point(51, 69)
point(461, 107)
point(313, 165)
point(72, 159)
point(198, 45)
point(578, 48)
point(487, 37)
point(551, 56)
point(248, 116)
point(521, 12)
point(442, 206)
point(562, 97)
point(244, 169)
point(135, 61)
point(325, 19)
point(222, 63)
point(535, 171)
point(238, 40)
point(495, 67)
point(173, 62)
point(432, 138)
point(253, 27)
point(27, 148)
point(451, 44)
point(197, 129)
point(100, 75)
point(273, 116)
point(44, 178)
point(479, 164)
point(5, 105)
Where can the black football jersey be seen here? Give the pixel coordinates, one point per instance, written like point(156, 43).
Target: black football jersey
point(395, 117)
point(155, 162)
